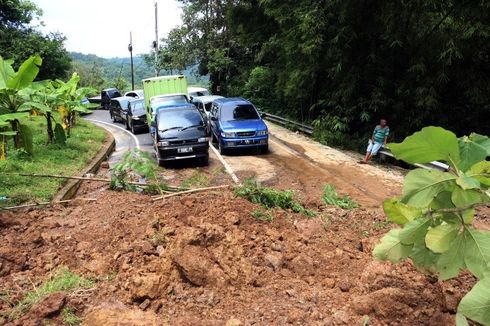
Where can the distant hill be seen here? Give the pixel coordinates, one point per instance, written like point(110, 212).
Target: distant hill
point(112, 69)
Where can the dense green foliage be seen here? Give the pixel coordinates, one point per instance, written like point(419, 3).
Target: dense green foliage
point(345, 64)
point(19, 39)
point(437, 211)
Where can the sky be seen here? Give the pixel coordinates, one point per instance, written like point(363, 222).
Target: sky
point(102, 27)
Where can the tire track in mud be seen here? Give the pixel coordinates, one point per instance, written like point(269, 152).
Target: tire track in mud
point(287, 166)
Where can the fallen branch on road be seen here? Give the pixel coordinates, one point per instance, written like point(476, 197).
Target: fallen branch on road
point(190, 192)
point(46, 203)
point(36, 175)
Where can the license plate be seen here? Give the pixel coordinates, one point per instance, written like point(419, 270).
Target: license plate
point(184, 150)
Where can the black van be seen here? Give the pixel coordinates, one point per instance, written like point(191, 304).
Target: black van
point(181, 134)
point(106, 95)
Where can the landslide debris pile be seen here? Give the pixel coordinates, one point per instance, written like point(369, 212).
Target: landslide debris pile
point(205, 260)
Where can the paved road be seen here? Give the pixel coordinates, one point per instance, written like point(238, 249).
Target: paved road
point(125, 140)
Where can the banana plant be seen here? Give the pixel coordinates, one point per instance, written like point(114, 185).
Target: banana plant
point(12, 84)
point(72, 101)
point(43, 99)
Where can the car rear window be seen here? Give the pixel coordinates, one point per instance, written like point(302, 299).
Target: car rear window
point(138, 108)
point(238, 112)
point(178, 119)
point(208, 106)
point(174, 99)
point(124, 103)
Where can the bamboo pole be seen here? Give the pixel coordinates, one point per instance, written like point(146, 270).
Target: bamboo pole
point(46, 203)
point(37, 175)
point(190, 192)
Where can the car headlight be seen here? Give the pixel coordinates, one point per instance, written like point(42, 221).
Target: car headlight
point(262, 133)
point(163, 143)
point(228, 134)
point(203, 140)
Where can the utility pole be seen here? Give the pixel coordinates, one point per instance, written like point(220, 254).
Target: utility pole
point(155, 44)
point(130, 48)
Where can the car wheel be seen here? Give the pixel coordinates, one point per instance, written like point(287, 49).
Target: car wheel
point(264, 149)
point(127, 124)
point(132, 129)
point(204, 161)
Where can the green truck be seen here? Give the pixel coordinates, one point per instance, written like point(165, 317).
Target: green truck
point(162, 91)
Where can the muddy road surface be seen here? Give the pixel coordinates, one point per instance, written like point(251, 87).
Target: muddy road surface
point(293, 162)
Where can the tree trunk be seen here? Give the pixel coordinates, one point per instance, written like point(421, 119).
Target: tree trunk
point(16, 127)
point(3, 148)
point(49, 125)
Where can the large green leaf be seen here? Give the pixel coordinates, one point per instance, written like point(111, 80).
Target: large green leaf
point(477, 251)
point(12, 116)
point(450, 262)
point(391, 247)
point(470, 153)
point(468, 182)
point(461, 320)
point(465, 198)
point(28, 106)
point(481, 172)
point(422, 186)
point(8, 133)
point(423, 257)
point(429, 144)
point(439, 238)
point(26, 74)
point(475, 305)
point(481, 140)
point(414, 230)
point(399, 212)
point(6, 72)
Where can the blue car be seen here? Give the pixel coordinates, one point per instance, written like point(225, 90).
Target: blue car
point(235, 123)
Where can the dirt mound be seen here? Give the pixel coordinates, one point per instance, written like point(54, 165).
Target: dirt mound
point(204, 260)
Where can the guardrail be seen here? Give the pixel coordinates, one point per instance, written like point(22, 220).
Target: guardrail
point(288, 123)
point(435, 165)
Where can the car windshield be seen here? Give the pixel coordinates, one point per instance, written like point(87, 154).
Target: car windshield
point(138, 108)
point(178, 119)
point(238, 112)
point(174, 99)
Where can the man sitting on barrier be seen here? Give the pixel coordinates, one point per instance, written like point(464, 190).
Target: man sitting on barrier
point(377, 140)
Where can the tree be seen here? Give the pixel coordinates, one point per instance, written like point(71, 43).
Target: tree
point(345, 64)
point(19, 40)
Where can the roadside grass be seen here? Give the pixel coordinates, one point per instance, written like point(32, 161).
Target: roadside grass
point(262, 215)
point(84, 143)
point(270, 198)
point(69, 317)
point(62, 280)
point(197, 179)
point(331, 197)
